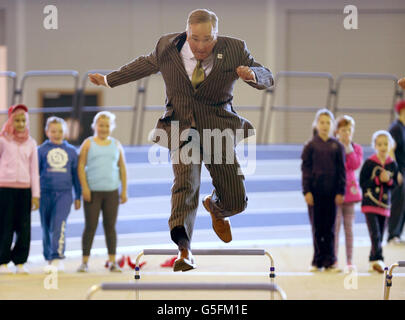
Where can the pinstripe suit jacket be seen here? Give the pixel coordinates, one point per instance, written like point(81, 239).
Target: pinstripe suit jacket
point(208, 107)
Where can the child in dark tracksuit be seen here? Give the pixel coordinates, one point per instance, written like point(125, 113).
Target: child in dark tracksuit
point(323, 182)
point(378, 176)
point(58, 175)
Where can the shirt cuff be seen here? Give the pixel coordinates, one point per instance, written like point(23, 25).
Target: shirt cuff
point(106, 82)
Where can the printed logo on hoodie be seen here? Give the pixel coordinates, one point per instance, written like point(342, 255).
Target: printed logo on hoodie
point(57, 159)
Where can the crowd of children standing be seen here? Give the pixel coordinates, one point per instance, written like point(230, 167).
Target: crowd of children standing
point(329, 163)
point(44, 177)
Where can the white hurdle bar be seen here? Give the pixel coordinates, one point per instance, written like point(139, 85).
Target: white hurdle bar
point(388, 278)
point(207, 252)
point(187, 286)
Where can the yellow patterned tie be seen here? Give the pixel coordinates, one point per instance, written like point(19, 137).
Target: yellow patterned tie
point(198, 75)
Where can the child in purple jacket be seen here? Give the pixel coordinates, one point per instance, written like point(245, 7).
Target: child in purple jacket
point(323, 183)
point(345, 212)
point(19, 188)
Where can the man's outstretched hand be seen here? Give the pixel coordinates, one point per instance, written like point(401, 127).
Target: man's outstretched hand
point(245, 73)
point(97, 79)
point(401, 83)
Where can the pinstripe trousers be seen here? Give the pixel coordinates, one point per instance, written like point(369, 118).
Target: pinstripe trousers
point(228, 197)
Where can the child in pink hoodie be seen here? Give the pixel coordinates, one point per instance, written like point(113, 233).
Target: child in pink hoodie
point(353, 160)
point(19, 188)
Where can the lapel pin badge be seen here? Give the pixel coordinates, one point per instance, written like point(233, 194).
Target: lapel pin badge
point(219, 56)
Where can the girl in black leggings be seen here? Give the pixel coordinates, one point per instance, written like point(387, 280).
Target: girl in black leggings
point(102, 171)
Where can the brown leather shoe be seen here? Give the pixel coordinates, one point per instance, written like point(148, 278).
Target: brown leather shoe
point(222, 227)
point(184, 262)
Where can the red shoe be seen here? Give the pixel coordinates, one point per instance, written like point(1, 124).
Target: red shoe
point(168, 263)
point(121, 262)
point(132, 265)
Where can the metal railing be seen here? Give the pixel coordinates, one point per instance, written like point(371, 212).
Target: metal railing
point(265, 126)
point(367, 76)
point(48, 73)
point(139, 108)
point(140, 94)
point(13, 77)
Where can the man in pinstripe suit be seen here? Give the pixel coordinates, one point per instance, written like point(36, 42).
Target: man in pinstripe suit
point(199, 69)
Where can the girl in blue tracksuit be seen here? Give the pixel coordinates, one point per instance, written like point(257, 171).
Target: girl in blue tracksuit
point(58, 175)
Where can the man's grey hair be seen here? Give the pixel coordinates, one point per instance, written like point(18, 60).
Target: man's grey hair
point(202, 16)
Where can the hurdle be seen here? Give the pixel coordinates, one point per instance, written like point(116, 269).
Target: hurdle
point(187, 286)
point(207, 252)
point(388, 278)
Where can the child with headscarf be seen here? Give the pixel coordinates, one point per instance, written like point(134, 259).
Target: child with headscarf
point(19, 188)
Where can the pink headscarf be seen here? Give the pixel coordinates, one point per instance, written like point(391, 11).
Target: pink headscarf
point(8, 131)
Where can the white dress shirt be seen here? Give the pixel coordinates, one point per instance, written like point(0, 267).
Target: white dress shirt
point(190, 62)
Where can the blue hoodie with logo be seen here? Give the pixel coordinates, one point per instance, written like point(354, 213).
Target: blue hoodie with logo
point(58, 167)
